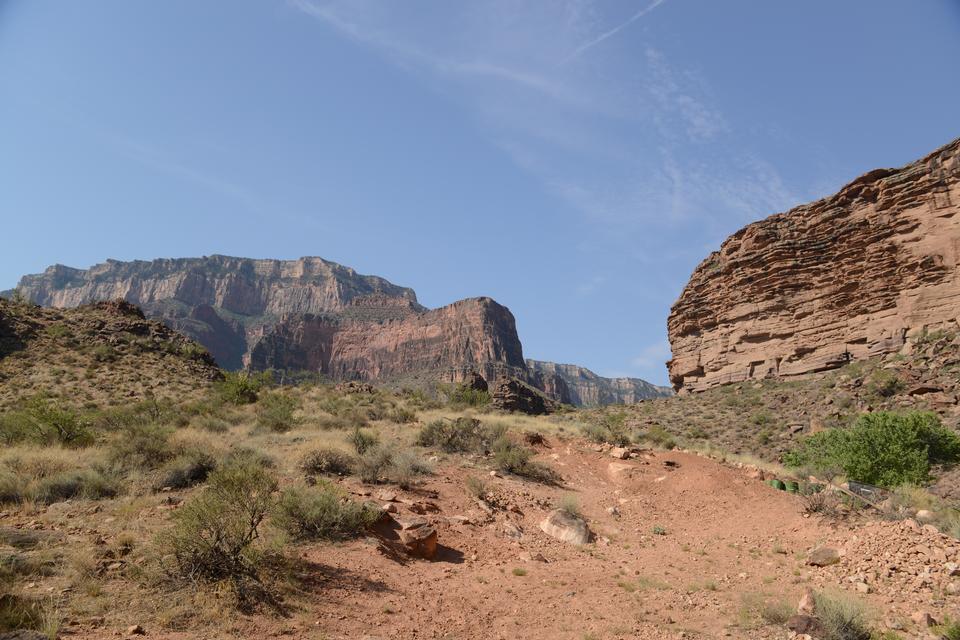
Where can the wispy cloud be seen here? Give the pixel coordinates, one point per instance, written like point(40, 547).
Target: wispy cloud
point(614, 31)
point(653, 355)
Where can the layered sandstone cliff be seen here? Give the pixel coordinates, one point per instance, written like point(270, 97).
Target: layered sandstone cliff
point(225, 303)
point(847, 277)
point(582, 387)
point(477, 334)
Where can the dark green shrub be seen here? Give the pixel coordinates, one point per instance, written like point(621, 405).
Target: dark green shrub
point(363, 441)
point(883, 448)
point(402, 415)
point(327, 461)
point(213, 535)
point(275, 412)
point(322, 511)
point(458, 436)
point(510, 457)
point(884, 384)
point(373, 464)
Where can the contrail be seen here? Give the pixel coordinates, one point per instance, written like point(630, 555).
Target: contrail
point(614, 31)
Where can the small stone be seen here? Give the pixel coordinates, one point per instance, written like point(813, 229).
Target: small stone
point(925, 515)
point(620, 453)
point(862, 587)
point(389, 507)
point(136, 630)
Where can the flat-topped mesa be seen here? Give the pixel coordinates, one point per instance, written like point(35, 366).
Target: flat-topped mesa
point(476, 334)
point(845, 278)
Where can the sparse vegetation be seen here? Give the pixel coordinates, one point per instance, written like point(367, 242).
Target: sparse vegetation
point(275, 412)
point(842, 618)
point(326, 460)
point(461, 435)
point(510, 457)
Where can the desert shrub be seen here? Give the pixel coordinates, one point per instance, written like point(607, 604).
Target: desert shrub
point(245, 455)
point(949, 630)
point(363, 441)
point(43, 421)
point(212, 424)
point(19, 612)
point(476, 487)
point(570, 504)
point(464, 396)
point(92, 484)
point(373, 464)
point(241, 387)
point(609, 428)
point(142, 447)
point(402, 415)
point(213, 536)
point(842, 618)
point(405, 467)
point(103, 353)
point(275, 412)
point(322, 511)
point(384, 463)
point(824, 503)
point(883, 448)
point(457, 436)
point(187, 469)
point(884, 384)
point(12, 487)
point(327, 461)
point(510, 457)
point(659, 437)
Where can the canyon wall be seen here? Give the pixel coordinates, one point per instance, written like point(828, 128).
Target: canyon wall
point(848, 277)
point(582, 387)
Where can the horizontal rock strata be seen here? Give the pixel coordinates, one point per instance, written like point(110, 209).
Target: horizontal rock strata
point(845, 278)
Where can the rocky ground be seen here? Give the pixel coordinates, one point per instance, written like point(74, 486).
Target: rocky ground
point(682, 547)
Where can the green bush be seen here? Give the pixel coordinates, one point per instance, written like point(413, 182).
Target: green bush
point(43, 421)
point(402, 415)
point(373, 464)
point(323, 511)
point(510, 457)
point(12, 487)
point(327, 461)
point(275, 412)
point(242, 387)
point(883, 448)
point(609, 428)
point(464, 396)
point(659, 437)
point(458, 436)
point(363, 441)
point(213, 536)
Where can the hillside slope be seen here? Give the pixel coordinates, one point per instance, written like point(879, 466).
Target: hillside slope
point(105, 353)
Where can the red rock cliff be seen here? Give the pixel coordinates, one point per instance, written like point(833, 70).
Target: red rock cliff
point(844, 278)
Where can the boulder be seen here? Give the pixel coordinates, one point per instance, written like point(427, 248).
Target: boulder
point(418, 537)
point(475, 381)
point(566, 527)
point(823, 556)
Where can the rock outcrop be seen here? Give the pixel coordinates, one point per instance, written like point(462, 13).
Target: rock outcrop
point(579, 386)
point(510, 394)
point(845, 278)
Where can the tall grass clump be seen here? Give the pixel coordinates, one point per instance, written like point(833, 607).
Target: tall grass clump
point(275, 412)
point(461, 435)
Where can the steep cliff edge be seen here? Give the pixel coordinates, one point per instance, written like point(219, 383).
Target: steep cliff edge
point(582, 387)
point(845, 278)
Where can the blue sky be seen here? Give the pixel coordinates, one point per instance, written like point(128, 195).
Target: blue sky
point(574, 159)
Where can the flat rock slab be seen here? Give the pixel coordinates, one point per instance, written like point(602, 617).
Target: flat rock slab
point(823, 556)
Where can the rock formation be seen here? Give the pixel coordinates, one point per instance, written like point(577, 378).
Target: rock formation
point(580, 386)
point(314, 315)
point(844, 278)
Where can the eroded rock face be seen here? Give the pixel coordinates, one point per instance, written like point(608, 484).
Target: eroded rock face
point(471, 336)
point(844, 278)
point(580, 386)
